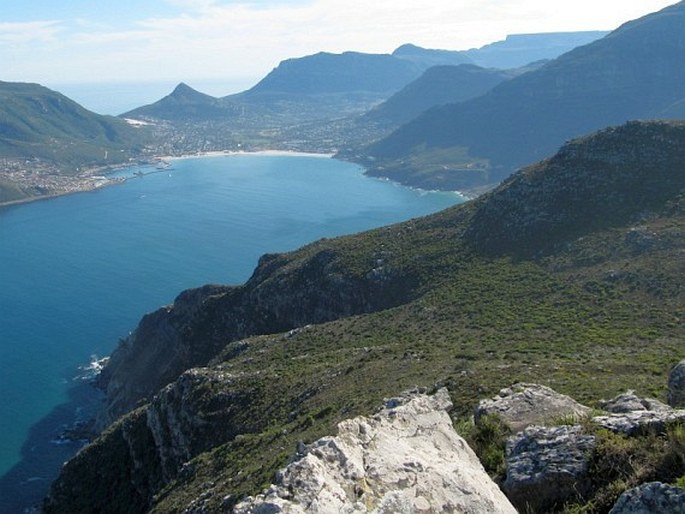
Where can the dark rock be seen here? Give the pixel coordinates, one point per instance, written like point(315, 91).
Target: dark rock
point(523, 405)
point(651, 498)
point(629, 402)
point(676, 385)
point(640, 239)
point(194, 413)
point(546, 467)
point(639, 422)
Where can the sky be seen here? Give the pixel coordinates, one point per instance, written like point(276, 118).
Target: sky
point(238, 42)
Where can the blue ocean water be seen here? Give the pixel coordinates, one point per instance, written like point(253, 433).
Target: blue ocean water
point(77, 273)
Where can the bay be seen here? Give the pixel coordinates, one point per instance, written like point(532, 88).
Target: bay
point(78, 272)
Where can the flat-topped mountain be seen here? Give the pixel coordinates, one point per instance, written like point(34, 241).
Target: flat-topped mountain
point(57, 136)
point(324, 333)
point(515, 51)
point(521, 49)
point(633, 73)
point(349, 72)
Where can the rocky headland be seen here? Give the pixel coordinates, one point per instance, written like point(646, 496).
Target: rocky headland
point(207, 399)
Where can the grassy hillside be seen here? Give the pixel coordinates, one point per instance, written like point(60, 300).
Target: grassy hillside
point(38, 122)
point(425, 303)
point(44, 136)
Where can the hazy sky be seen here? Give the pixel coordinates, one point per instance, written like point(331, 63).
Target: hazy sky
point(49, 41)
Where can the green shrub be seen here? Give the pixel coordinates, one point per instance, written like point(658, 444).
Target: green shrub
point(488, 440)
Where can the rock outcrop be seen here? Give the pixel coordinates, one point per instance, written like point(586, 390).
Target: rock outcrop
point(547, 467)
point(630, 402)
point(651, 498)
point(195, 412)
point(522, 405)
point(640, 422)
point(405, 459)
point(631, 415)
point(676, 386)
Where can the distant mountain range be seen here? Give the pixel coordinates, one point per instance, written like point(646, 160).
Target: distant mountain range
point(515, 51)
point(635, 72)
point(328, 85)
point(521, 49)
point(308, 103)
point(333, 83)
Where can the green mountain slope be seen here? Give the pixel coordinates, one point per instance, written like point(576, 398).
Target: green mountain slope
point(437, 301)
point(57, 136)
point(32, 116)
point(184, 104)
point(633, 73)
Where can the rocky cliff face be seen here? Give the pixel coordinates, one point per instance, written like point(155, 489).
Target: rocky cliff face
point(285, 291)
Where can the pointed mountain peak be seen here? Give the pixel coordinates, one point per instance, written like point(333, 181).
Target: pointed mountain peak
point(183, 90)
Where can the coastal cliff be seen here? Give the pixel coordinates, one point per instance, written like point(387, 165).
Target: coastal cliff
point(285, 291)
point(243, 374)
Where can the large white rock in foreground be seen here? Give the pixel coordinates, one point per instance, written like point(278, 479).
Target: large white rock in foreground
point(405, 459)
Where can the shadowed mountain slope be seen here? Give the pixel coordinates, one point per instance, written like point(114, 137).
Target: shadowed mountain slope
point(437, 86)
point(521, 49)
point(633, 73)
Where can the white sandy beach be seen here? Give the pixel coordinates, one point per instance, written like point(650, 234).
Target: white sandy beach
point(272, 153)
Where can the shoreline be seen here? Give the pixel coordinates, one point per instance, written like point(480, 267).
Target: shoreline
point(84, 188)
point(89, 184)
point(94, 182)
point(247, 153)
